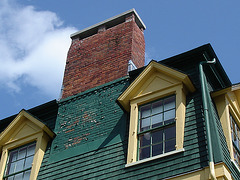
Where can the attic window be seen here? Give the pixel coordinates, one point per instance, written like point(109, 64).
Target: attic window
point(19, 162)
point(156, 101)
point(157, 129)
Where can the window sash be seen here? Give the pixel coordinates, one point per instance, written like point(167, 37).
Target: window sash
point(20, 161)
point(166, 125)
point(235, 131)
point(165, 117)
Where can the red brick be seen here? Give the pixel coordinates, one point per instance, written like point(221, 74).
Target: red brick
point(103, 57)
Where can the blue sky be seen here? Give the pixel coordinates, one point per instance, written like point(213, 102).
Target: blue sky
point(35, 37)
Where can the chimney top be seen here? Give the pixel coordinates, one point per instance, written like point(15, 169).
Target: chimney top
point(113, 21)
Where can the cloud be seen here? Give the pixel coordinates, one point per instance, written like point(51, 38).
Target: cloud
point(33, 48)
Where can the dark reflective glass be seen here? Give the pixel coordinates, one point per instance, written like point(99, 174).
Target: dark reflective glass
point(157, 136)
point(145, 139)
point(157, 149)
point(170, 132)
point(144, 153)
point(170, 145)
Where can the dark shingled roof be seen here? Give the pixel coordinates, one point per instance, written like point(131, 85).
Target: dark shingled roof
point(46, 113)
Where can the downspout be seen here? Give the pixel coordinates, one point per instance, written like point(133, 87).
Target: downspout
point(206, 116)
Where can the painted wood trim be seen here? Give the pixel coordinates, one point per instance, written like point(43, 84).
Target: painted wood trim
point(155, 157)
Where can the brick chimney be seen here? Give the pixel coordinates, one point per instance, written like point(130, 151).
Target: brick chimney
point(104, 52)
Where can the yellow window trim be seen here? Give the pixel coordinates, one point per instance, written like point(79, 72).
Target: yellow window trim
point(22, 130)
point(155, 82)
point(227, 101)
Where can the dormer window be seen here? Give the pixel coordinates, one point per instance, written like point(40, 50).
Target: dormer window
point(156, 101)
point(22, 147)
point(157, 128)
point(19, 163)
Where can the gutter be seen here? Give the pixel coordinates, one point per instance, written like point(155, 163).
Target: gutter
point(206, 115)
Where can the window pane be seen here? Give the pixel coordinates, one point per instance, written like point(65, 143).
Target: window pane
point(31, 150)
point(19, 166)
point(10, 178)
point(157, 137)
point(170, 133)
point(157, 120)
point(28, 162)
point(145, 124)
point(157, 107)
point(11, 168)
point(13, 156)
point(169, 103)
point(27, 175)
point(145, 139)
point(22, 153)
point(157, 149)
point(18, 176)
point(170, 145)
point(144, 153)
point(145, 111)
point(169, 116)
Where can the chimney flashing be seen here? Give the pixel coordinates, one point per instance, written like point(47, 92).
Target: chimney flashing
point(113, 21)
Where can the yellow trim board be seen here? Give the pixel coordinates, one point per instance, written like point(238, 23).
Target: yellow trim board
point(154, 70)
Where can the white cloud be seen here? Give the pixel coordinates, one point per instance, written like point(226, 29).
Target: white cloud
point(33, 48)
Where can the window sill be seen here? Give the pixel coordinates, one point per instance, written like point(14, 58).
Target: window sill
point(155, 157)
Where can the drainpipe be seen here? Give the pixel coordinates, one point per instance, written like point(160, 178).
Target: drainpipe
point(206, 116)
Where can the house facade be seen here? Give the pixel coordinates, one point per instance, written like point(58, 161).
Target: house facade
point(178, 118)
